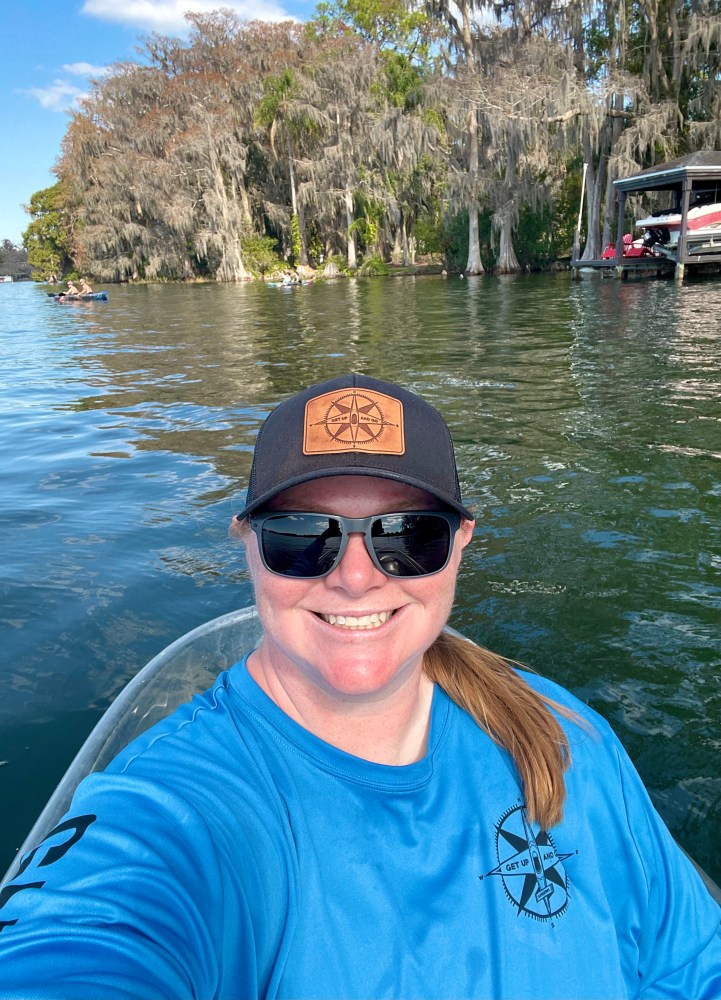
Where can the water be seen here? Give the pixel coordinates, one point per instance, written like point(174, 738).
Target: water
point(587, 421)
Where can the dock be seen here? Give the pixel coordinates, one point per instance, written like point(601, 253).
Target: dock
point(692, 181)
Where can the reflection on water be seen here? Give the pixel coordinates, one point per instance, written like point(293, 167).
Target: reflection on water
point(587, 423)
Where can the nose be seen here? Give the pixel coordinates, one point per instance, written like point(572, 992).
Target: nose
point(356, 572)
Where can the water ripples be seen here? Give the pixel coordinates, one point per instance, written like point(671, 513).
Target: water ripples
point(586, 420)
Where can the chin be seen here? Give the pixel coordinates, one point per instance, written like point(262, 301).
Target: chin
point(362, 679)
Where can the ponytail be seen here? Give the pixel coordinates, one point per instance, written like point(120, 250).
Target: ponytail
point(515, 716)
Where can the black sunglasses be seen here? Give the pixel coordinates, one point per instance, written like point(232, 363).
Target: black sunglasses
point(309, 546)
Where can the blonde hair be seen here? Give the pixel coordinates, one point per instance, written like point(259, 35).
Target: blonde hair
point(515, 716)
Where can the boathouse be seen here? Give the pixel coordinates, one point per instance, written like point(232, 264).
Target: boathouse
point(683, 235)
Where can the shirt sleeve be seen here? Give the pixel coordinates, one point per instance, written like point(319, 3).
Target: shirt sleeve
point(679, 936)
point(667, 923)
point(124, 899)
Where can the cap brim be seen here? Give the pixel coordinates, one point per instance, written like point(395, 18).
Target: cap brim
point(357, 470)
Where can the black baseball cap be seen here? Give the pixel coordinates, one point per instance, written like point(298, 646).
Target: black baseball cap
point(354, 425)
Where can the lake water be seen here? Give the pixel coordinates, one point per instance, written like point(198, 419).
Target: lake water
point(588, 425)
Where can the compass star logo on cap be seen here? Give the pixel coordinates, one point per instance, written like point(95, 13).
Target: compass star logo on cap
point(353, 420)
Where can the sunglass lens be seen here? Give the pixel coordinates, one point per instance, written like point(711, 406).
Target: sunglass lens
point(300, 545)
point(411, 544)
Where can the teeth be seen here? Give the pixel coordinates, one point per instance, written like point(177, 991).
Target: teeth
point(375, 620)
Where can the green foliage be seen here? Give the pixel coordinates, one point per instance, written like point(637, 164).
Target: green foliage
point(596, 41)
point(340, 262)
point(276, 90)
point(389, 24)
point(316, 249)
point(48, 238)
point(431, 116)
point(282, 103)
point(369, 212)
point(400, 82)
point(535, 240)
point(448, 237)
point(296, 238)
point(373, 266)
point(565, 208)
point(428, 232)
point(260, 253)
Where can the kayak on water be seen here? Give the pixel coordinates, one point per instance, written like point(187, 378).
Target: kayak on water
point(85, 297)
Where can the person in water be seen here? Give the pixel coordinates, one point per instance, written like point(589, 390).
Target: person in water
point(367, 804)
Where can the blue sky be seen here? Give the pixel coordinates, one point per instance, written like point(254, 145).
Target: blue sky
point(48, 51)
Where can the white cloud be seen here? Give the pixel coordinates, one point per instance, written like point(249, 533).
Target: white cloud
point(86, 69)
point(58, 96)
point(167, 16)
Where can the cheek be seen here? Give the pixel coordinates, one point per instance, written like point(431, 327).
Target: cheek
point(271, 592)
point(258, 572)
point(252, 557)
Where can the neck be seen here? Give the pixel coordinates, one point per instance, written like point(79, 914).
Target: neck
point(388, 728)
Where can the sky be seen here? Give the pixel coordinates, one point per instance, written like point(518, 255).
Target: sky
point(50, 49)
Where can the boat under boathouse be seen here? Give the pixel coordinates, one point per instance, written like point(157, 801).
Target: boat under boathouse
point(684, 235)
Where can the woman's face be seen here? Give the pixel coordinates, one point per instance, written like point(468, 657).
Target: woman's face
point(305, 647)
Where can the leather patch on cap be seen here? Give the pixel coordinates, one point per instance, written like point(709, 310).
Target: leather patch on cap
point(353, 420)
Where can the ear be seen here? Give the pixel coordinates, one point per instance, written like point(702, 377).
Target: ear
point(465, 532)
point(238, 528)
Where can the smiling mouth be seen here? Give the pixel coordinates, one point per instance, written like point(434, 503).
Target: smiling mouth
point(367, 622)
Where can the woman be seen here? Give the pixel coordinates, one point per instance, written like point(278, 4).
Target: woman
point(364, 806)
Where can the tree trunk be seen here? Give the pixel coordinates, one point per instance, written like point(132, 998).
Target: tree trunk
point(609, 211)
point(474, 265)
point(231, 266)
point(507, 260)
point(591, 251)
point(397, 254)
point(224, 223)
point(594, 222)
point(351, 252)
point(297, 210)
point(608, 234)
point(409, 247)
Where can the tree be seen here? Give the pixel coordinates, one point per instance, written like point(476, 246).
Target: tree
point(14, 261)
point(163, 160)
point(461, 19)
point(655, 68)
point(288, 107)
point(342, 133)
point(388, 141)
point(48, 239)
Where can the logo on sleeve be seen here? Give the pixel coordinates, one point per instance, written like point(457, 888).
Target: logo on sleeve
point(51, 849)
point(530, 867)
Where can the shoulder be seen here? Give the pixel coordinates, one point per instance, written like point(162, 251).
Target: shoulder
point(190, 719)
point(203, 744)
point(590, 719)
point(598, 759)
point(604, 790)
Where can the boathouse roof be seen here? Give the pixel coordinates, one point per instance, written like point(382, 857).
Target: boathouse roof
point(697, 166)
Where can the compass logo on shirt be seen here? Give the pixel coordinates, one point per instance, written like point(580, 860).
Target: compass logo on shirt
point(530, 867)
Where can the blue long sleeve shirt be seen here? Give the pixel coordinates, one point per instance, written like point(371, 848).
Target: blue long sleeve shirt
point(229, 853)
